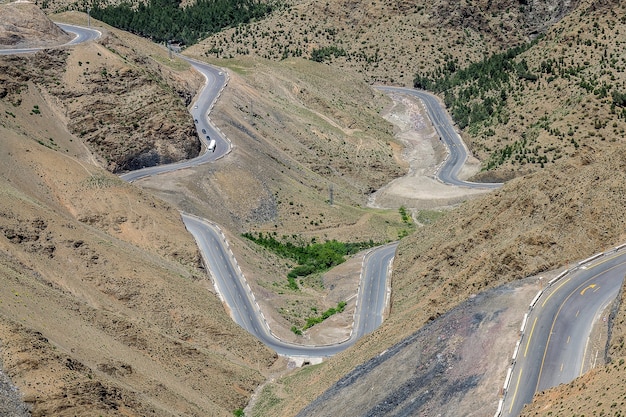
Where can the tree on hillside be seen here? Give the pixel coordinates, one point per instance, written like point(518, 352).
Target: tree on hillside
point(166, 20)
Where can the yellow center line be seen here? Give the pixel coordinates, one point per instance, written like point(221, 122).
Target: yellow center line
point(515, 392)
point(530, 337)
point(555, 290)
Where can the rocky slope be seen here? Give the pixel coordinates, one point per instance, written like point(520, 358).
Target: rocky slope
point(555, 214)
point(129, 108)
point(106, 309)
point(104, 281)
point(569, 209)
point(23, 25)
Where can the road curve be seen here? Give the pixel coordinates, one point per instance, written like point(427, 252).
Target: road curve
point(216, 80)
point(555, 347)
point(81, 34)
point(457, 152)
point(245, 311)
point(229, 280)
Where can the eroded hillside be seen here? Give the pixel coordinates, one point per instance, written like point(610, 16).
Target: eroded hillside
point(106, 309)
point(23, 25)
point(125, 105)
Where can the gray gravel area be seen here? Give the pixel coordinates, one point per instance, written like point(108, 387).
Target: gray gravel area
point(10, 399)
point(453, 366)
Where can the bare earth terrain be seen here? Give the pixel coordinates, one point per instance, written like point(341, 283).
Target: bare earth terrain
point(80, 250)
point(423, 153)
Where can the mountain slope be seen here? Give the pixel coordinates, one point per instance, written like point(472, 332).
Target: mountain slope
point(23, 25)
point(106, 309)
point(566, 210)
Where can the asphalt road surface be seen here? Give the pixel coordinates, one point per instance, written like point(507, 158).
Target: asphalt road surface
point(457, 152)
point(556, 346)
point(215, 82)
point(244, 310)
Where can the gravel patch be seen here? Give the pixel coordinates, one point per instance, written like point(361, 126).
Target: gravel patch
point(11, 403)
point(455, 365)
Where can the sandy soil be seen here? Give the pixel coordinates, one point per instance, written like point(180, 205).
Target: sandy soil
point(423, 153)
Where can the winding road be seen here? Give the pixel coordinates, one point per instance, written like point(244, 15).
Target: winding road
point(448, 172)
point(244, 310)
point(555, 346)
point(81, 34)
point(228, 279)
point(216, 80)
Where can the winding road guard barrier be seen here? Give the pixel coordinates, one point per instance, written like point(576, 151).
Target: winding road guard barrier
point(532, 304)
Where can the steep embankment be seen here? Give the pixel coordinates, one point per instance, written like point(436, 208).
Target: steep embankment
point(24, 26)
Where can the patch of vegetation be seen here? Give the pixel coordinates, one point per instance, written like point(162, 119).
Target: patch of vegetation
point(313, 320)
point(101, 181)
point(35, 110)
point(326, 53)
point(311, 257)
point(406, 220)
point(166, 20)
point(428, 216)
point(478, 92)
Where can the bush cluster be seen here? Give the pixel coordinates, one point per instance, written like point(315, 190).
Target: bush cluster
point(311, 257)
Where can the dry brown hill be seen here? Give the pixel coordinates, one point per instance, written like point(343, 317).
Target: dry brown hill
point(105, 308)
point(569, 209)
point(104, 280)
point(23, 25)
point(563, 211)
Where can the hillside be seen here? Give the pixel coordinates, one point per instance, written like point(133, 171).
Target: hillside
point(552, 214)
point(64, 103)
point(514, 126)
point(386, 42)
point(106, 309)
point(23, 25)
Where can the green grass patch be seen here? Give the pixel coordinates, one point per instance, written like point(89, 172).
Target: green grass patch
point(428, 216)
point(313, 320)
point(312, 257)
